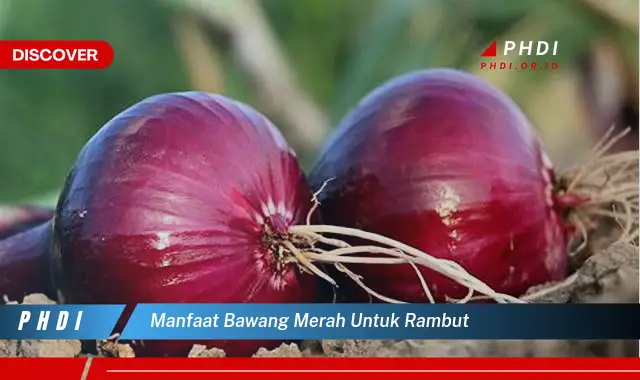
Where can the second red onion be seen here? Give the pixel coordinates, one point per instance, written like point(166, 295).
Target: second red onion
point(447, 164)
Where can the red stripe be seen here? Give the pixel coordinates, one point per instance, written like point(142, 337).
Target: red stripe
point(322, 368)
point(377, 363)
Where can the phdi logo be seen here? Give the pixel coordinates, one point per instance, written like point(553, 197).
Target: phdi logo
point(524, 48)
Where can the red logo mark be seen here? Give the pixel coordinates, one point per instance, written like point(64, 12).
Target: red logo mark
point(491, 50)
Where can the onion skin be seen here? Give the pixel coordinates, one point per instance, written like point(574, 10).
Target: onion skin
point(168, 203)
point(444, 162)
point(15, 219)
point(24, 263)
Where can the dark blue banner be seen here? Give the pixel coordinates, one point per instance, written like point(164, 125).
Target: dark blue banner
point(324, 321)
point(383, 321)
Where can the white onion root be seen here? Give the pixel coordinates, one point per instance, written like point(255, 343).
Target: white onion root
point(390, 252)
point(386, 251)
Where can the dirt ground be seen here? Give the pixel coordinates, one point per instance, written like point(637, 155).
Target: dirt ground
point(609, 276)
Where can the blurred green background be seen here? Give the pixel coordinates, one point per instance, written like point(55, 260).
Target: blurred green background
point(304, 64)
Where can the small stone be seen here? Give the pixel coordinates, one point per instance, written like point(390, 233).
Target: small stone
point(201, 351)
point(552, 292)
point(8, 348)
point(610, 276)
point(284, 351)
point(49, 348)
point(351, 348)
point(428, 348)
point(37, 299)
point(115, 350)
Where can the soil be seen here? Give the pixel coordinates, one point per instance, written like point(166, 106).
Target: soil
point(609, 276)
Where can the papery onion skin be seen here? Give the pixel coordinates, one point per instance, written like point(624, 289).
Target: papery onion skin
point(168, 203)
point(15, 219)
point(442, 161)
point(24, 263)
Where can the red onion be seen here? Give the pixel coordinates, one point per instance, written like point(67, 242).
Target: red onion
point(447, 164)
point(24, 263)
point(14, 219)
point(183, 198)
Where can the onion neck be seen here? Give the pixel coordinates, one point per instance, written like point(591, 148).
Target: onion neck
point(285, 251)
point(564, 202)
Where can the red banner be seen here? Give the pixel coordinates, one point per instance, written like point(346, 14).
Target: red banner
point(320, 368)
point(49, 54)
